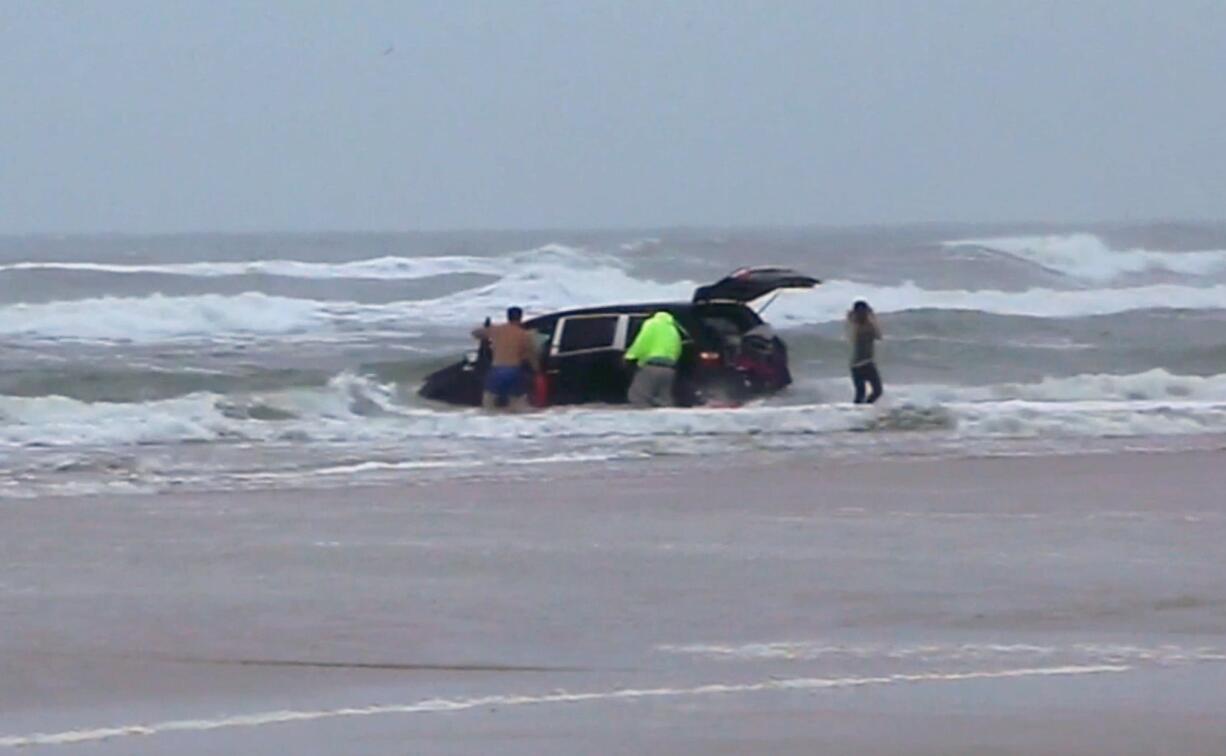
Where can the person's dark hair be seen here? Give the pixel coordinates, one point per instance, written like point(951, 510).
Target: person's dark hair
point(860, 311)
point(514, 314)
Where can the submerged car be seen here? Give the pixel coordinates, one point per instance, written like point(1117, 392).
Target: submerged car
point(728, 352)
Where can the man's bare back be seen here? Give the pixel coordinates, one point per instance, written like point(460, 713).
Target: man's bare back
point(512, 345)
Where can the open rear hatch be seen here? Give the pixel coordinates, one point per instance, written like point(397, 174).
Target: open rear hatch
point(749, 284)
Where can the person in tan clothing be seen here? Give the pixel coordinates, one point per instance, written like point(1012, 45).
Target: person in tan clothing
point(513, 347)
point(862, 332)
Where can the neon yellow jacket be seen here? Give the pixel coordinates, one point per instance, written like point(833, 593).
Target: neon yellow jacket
point(659, 338)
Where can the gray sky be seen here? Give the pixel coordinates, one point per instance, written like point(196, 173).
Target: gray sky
point(170, 116)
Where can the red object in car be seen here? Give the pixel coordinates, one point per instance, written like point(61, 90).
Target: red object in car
point(540, 390)
point(758, 371)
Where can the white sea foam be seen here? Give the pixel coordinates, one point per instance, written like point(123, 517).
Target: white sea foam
point(159, 318)
point(434, 705)
point(1087, 257)
point(392, 268)
point(1085, 653)
point(829, 302)
point(558, 282)
point(547, 279)
point(253, 315)
point(1151, 385)
point(387, 268)
point(347, 409)
point(352, 409)
point(642, 245)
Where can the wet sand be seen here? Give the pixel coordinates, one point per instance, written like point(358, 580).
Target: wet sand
point(1064, 605)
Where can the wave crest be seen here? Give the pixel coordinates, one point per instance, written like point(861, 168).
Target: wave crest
point(1087, 257)
point(353, 408)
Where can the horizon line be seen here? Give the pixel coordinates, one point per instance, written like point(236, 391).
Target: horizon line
point(616, 229)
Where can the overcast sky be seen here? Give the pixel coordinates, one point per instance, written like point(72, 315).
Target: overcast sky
point(295, 115)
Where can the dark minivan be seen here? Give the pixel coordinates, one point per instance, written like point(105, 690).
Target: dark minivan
point(729, 353)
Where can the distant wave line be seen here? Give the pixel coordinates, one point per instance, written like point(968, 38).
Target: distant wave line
point(465, 704)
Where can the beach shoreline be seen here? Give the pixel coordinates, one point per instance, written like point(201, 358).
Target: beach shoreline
point(793, 605)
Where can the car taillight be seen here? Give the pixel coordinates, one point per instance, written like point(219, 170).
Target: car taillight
point(709, 358)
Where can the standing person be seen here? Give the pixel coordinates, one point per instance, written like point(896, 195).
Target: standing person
point(513, 347)
point(863, 332)
point(656, 349)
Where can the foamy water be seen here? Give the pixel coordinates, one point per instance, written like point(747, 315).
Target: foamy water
point(1087, 257)
point(1060, 336)
point(443, 705)
point(253, 315)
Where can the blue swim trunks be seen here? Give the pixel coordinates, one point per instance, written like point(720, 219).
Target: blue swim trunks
point(503, 381)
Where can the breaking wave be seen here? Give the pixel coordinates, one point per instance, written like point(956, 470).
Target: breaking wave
point(352, 408)
point(551, 278)
point(548, 278)
point(388, 268)
point(318, 368)
point(829, 302)
point(383, 268)
point(538, 288)
point(1155, 385)
point(338, 411)
point(1087, 257)
point(160, 318)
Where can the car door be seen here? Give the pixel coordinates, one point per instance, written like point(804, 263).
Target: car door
point(585, 359)
point(749, 284)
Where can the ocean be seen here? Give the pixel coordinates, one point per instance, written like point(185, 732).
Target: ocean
point(210, 361)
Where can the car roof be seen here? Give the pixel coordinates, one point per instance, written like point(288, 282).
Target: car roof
point(676, 308)
point(619, 309)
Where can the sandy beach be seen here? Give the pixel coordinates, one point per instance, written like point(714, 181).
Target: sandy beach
point(261, 265)
point(1069, 605)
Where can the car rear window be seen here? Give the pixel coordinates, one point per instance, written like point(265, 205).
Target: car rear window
point(588, 333)
point(729, 319)
point(723, 326)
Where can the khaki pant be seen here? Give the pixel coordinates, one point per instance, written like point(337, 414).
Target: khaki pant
point(652, 386)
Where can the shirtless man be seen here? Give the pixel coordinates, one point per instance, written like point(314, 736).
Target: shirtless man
point(513, 346)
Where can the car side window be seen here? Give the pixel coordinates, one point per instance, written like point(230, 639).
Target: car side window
point(542, 332)
point(584, 333)
point(636, 325)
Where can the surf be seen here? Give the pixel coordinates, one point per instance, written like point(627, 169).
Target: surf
point(1089, 258)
